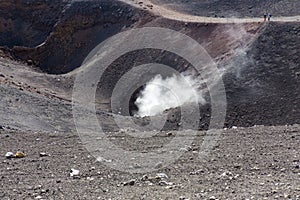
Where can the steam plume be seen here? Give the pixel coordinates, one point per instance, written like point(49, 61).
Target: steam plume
point(163, 93)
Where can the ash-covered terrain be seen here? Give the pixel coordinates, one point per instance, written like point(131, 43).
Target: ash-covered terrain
point(254, 155)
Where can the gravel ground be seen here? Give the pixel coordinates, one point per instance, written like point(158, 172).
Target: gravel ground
point(50, 160)
point(248, 163)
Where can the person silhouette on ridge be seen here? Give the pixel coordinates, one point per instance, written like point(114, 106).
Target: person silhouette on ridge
point(269, 16)
point(265, 16)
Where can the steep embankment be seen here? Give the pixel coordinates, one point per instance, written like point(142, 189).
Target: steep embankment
point(266, 90)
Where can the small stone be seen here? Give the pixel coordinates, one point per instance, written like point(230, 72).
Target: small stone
point(44, 191)
point(186, 149)
point(29, 62)
point(101, 159)
point(165, 183)
point(169, 187)
point(274, 191)
point(129, 183)
point(161, 176)
point(38, 187)
point(43, 154)
point(9, 155)
point(20, 154)
point(145, 178)
point(90, 178)
point(255, 168)
point(74, 173)
point(150, 184)
point(212, 198)
point(283, 170)
point(227, 174)
point(169, 134)
point(201, 171)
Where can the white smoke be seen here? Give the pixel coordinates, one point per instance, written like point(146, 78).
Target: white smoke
point(161, 94)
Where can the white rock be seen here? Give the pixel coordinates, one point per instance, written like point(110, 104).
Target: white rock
point(162, 175)
point(74, 172)
point(90, 178)
point(101, 159)
point(43, 154)
point(185, 149)
point(9, 155)
point(165, 183)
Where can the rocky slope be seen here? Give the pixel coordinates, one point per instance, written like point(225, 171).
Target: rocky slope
point(262, 74)
point(268, 86)
point(43, 41)
point(57, 35)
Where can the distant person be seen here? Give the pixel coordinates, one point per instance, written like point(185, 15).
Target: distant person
point(269, 16)
point(265, 17)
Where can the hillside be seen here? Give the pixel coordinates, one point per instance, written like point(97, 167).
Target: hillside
point(52, 110)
